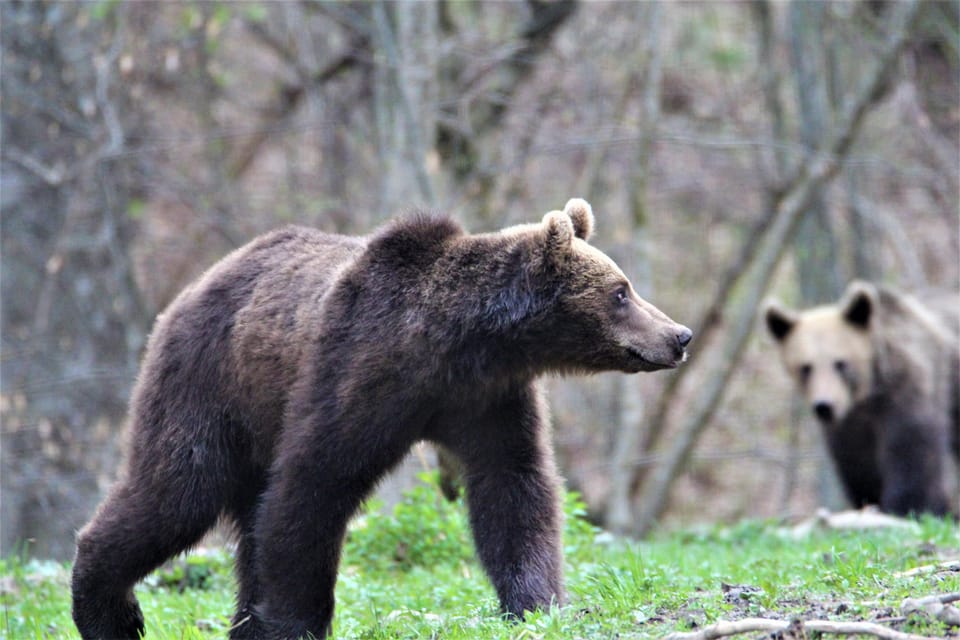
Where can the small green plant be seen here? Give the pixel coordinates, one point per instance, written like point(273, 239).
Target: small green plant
point(424, 529)
point(195, 571)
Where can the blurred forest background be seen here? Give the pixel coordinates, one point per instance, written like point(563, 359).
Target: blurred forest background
point(730, 150)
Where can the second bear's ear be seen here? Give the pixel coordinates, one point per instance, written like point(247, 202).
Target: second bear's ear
point(581, 214)
point(858, 303)
point(780, 320)
point(559, 229)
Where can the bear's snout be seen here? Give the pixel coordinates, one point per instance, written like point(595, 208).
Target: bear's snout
point(684, 336)
point(824, 411)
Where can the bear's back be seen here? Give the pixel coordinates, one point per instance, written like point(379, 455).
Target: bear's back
point(282, 315)
point(921, 336)
point(919, 328)
point(235, 337)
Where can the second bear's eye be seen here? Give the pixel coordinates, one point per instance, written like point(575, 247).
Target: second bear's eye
point(840, 366)
point(805, 371)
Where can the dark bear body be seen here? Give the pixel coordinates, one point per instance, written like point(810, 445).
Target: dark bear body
point(278, 388)
point(881, 371)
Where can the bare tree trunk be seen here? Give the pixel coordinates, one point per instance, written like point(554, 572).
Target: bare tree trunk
point(636, 261)
point(815, 171)
point(815, 246)
point(404, 71)
point(772, 72)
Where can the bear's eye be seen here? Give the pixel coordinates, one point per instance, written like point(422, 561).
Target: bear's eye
point(805, 371)
point(840, 366)
point(621, 296)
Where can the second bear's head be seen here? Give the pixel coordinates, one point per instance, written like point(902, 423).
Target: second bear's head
point(829, 350)
point(597, 321)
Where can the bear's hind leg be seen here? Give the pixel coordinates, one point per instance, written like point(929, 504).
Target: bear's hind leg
point(245, 623)
point(316, 486)
point(133, 532)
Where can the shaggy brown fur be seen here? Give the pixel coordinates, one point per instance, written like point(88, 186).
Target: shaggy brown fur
point(880, 371)
point(287, 380)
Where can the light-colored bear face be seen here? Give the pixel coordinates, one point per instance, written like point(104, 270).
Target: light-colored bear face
point(828, 350)
point(602, 313)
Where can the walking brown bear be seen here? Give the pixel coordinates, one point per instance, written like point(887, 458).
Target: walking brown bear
point(280, 386)
point(881, 371)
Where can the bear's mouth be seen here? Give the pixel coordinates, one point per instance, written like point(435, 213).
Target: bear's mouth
point(646, 364)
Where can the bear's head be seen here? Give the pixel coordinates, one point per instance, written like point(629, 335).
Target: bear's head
point(600, 322)
point(829, 350)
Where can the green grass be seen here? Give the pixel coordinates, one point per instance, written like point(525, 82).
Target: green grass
point(412, 574)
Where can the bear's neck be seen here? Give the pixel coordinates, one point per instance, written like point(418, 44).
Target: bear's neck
point(491, 290)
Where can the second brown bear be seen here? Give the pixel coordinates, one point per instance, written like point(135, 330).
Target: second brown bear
point(881, 371)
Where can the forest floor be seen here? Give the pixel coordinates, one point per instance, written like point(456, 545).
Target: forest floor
point(412, 573)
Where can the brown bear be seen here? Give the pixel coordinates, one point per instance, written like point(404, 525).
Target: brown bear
point(279, 387)
point(880, 371)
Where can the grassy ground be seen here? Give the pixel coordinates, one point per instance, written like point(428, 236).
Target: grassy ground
point(412, 574)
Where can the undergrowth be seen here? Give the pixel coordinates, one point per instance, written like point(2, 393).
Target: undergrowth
point(411, 573)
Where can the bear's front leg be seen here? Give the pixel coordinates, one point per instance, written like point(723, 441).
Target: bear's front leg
point(516, 526)
point(513, 495)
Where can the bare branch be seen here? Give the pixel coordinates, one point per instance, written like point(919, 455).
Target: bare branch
point(453, 144)
point(52, 176)
point(284, 104)
point(761, 11)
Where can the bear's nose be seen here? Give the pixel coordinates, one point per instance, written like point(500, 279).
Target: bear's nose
point(684, 336)
point(824, 411)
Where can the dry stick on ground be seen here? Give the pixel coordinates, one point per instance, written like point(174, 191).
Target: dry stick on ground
point(946, 598)
point(937, 607)
point(946, 565)
point(817, 170)
point(725, 629)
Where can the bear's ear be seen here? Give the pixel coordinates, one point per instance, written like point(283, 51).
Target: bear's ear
point(581, 213)
point(780, 320)
point(559, 229)
point(858, 303)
